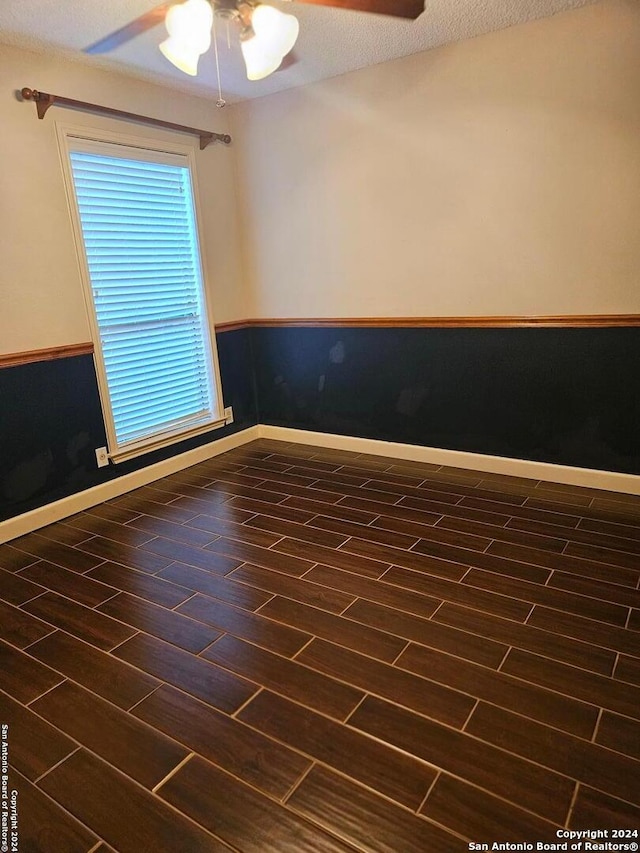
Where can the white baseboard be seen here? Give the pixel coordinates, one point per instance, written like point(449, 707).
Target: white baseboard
point(607, 480)
point(36, 518)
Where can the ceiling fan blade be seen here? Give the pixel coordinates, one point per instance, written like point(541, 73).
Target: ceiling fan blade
point(397, 8)
point(131, 30)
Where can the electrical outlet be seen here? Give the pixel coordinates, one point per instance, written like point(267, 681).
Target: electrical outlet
point(228, 415)
point(102, 457)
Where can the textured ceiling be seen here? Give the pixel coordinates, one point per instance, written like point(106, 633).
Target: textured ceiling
point(331, 42)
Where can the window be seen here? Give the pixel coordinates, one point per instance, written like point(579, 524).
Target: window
point(135, 221)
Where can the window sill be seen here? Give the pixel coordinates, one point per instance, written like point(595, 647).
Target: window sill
point(124, 454)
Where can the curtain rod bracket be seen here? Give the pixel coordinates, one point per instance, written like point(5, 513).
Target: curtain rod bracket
point(44, 100)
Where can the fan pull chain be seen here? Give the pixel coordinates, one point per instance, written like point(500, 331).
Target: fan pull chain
point(221, 101)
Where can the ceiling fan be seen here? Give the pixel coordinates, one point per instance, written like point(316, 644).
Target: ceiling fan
point(267, 35)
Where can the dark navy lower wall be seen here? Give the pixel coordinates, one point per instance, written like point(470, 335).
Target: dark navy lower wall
point(563, 395)
point(51, 423)
point(569, 396)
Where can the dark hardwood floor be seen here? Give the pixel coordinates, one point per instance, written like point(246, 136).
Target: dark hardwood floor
point(294, 650)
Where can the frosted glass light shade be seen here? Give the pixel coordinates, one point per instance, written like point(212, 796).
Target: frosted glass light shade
point(181, 55)
point(269, 39)
point(275, 29)
point(260, 61)
point(189, 27)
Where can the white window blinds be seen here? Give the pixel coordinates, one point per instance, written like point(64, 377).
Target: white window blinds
point(140, 241)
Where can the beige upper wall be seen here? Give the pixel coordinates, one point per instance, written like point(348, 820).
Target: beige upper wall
point(497, 176)
point(41, 301)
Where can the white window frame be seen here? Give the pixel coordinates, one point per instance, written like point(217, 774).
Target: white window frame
point(74, 138)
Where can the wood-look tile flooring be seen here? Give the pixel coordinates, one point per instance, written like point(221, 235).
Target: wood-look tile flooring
point(293, 650)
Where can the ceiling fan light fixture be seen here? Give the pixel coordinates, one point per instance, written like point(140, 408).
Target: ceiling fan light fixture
point(267, 41)
point(181, 55)
point(259, 60)
point(275, 28)
point(189, 27)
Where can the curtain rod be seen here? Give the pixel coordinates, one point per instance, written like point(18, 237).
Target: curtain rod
point(43, 100)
